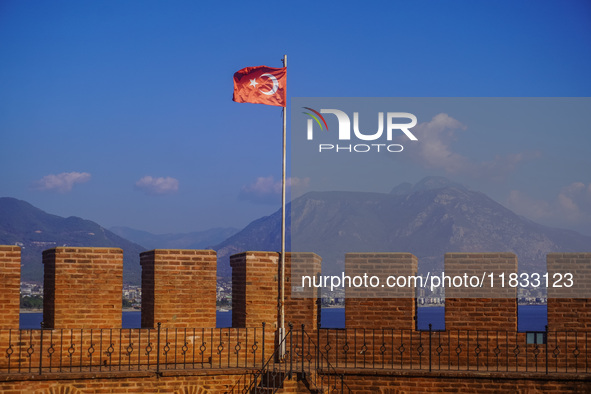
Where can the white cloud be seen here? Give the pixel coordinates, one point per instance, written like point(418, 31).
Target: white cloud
point(157, 186)
point(267, 190)
point(527, 206)
point(63, 182)
point(434, 148)
point(572, 205)
point(574, 202)
point(434, 151)
point(301, 183)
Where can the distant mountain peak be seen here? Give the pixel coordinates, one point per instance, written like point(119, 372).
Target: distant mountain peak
point(36, 230)
point(433, 217)
point(427, 183)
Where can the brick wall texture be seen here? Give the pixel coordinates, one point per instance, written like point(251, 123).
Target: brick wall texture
point(196, 383)
point(10, 283)
point(366, 307)
point(497, 310)
point(398, 383)
point(179, 288)
point(360, 382)
point(82, 287)
point(301, 303)
point(254, 289)
point(569, 308)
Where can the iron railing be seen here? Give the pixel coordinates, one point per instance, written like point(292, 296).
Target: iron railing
point(278, 367)
point(457, 350)
point(323, 376)
point(296, 356)
point(158, 349)
point(321, 358)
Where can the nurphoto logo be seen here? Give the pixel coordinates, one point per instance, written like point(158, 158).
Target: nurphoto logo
point(393, 127)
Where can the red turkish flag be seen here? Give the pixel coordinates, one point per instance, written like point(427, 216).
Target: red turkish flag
point(260, 85)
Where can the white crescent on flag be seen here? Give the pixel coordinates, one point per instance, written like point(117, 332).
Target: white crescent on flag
point(275, 84)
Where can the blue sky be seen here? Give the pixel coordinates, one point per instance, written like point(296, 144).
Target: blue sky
point(120, 112)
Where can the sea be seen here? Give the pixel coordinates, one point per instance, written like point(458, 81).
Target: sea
point(529, 318)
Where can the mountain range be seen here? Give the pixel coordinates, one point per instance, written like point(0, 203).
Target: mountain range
point(35, 231)
point(428, 219)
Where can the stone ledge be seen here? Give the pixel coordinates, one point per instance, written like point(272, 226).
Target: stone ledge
point(538, 376)
point(123, 374)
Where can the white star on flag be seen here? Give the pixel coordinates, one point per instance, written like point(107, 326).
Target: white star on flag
point(253, 82)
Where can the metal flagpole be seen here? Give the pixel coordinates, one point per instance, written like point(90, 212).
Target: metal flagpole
point(282, 279)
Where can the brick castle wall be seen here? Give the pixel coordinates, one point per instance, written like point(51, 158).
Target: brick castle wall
point(301, 303)
point(82, 281)
point(209, 382)
point(10, 284)
point(72, 298)
point(254, 289)
point(495, 308)
point(380, 307)
point(179, 288)
point(82, 287)
point(198, 382)
point(396, 382)
point(567, 309)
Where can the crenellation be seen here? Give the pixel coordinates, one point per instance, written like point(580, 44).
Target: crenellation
point(70, 290)
point(178, 290)
point(382, 307)
point(567, 310)
point(10, 278)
